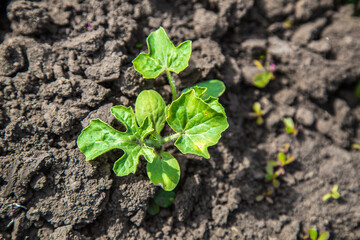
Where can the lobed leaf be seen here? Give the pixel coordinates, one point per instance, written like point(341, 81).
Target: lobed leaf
point(164, 171)
point(163, 55)
point(199, 123)
point(99, 138)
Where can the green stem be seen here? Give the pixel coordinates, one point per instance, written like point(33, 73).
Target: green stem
point(171, 137)
point(172, 84)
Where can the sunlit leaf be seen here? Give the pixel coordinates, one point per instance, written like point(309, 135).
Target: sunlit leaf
point(214, 88)
point(197, 123)
point(163, 55)
point(164, 171)
point(99, 138)
point(150, 104)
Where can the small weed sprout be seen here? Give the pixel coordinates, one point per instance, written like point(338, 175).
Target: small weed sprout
point(257, 112)
point(290, 127)
point(282, 161)
point(272, 175)
point(356, 146)
point(332, 194)
point(265, 196)
point(260, 80)
point(313, 235)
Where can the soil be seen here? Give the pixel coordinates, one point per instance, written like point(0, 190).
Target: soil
point(63, 63)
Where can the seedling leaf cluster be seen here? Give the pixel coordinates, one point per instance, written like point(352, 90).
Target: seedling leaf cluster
point(196, 118)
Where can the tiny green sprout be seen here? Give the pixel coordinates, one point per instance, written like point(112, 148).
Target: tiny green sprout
point(357, 90)
point(282, 161)
point(196, 118)
point(290, 127)
point(333, 194)
point(356, 146)
point(313, 234)
point(271, 175)
point(265, 196)
point(260, 80)
point(258, 113)
point(139, 45)
point(287, 24)
point(163, 199)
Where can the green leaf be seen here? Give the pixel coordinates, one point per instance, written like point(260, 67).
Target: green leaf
point(273, 163)
point(326, 197)
point(164, 171)
point(324, 236)
point(153, 208)
point(282, 158)
point(259, 198)
point(262, 79)
point(150, 104)
point(257, 108)
point(162, 55)
point(259, 120)
point(335, 188)
point(197, 123)
point(270, 170)
point(214, 88)
point(289, 160)
point(164, 198)
point(99, 138)
point(335, 195)
point(275, 183)
point(313, 233)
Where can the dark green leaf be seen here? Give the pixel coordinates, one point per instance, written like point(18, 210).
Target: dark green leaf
point(164, 198)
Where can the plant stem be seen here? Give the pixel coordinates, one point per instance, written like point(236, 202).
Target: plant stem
point(172, 84)
point(171, 137)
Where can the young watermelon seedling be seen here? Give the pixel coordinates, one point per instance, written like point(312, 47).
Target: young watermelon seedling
point(260, 80)
point(313, 234)
point(196, 117)
point(333, 194)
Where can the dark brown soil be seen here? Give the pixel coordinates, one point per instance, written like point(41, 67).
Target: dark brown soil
point(63, 63)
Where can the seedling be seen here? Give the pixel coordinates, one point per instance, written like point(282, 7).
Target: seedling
point(196, 117)
point(357, 90)
point(258, 113)
point(282, 160)
point(333, 194)
point(287, 24)
point(313, 234)
point(265, 196)
point(356, 146)
point(260, 80)
point(290, 127)
point(271, 175)
point(163, 199)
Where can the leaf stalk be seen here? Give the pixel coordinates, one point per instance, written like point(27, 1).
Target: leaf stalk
point(172, 84)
